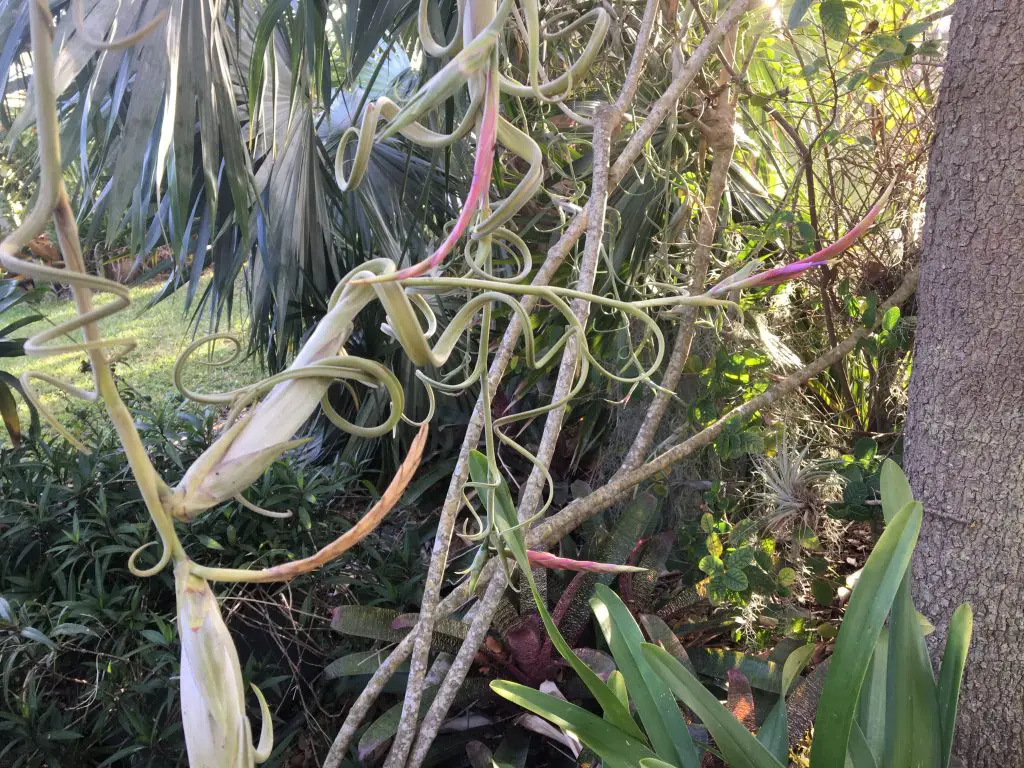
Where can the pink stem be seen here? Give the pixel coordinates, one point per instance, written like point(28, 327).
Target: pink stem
point(477, 190)
point(781, 274)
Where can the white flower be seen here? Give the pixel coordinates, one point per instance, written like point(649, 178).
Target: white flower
point(213, 716)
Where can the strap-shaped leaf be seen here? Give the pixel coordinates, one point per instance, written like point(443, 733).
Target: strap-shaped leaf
point(367, 621)
point(661, 634)
point(654, 701)
point(716, 663)
point(355, 664)
point(500, 507)
point(871, 708)
point(951, 675)
point(612, 744)
point(896, 491)
point(912, 714)
point(860, 754)
point(865, 617)
point(774, 732)
point(737, 744)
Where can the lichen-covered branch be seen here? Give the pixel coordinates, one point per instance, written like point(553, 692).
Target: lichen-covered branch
point(566, 520)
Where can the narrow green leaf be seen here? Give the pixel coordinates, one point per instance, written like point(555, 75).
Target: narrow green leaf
point(912, 717)
point(774, 732)
point(655, 704)
point(737, 744)
point(618, 685)
point(653, 762)
point(871, 707)
point(912, 714)
point(355, 664)
point(865, 617)
point(951, 675)
point(601, 736)
point(31, 633)
point(716, 663)
point(896, 491)
point(661, 634)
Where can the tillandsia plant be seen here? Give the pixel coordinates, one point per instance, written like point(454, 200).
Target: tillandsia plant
point(264, 417)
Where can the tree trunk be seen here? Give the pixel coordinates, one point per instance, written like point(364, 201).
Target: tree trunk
point(966, 419)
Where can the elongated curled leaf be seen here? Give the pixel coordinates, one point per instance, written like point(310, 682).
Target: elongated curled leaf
point(865, 617)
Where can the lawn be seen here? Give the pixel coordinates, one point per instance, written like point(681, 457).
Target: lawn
point(161, 333)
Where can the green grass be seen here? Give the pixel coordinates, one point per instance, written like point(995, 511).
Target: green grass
point(161, 333)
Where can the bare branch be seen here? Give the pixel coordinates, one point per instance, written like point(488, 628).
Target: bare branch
point(560, 524)
point(534, 487)
point(565, 521)
point(457, 672)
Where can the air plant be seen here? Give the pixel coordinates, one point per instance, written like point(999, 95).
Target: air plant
point(795, 494)
point(264, 417)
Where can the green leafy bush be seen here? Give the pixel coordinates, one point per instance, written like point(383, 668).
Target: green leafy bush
point(88, 655)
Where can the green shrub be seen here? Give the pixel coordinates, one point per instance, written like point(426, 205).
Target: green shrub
point(88, 652)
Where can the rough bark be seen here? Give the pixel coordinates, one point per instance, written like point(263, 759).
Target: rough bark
point(966, 413)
